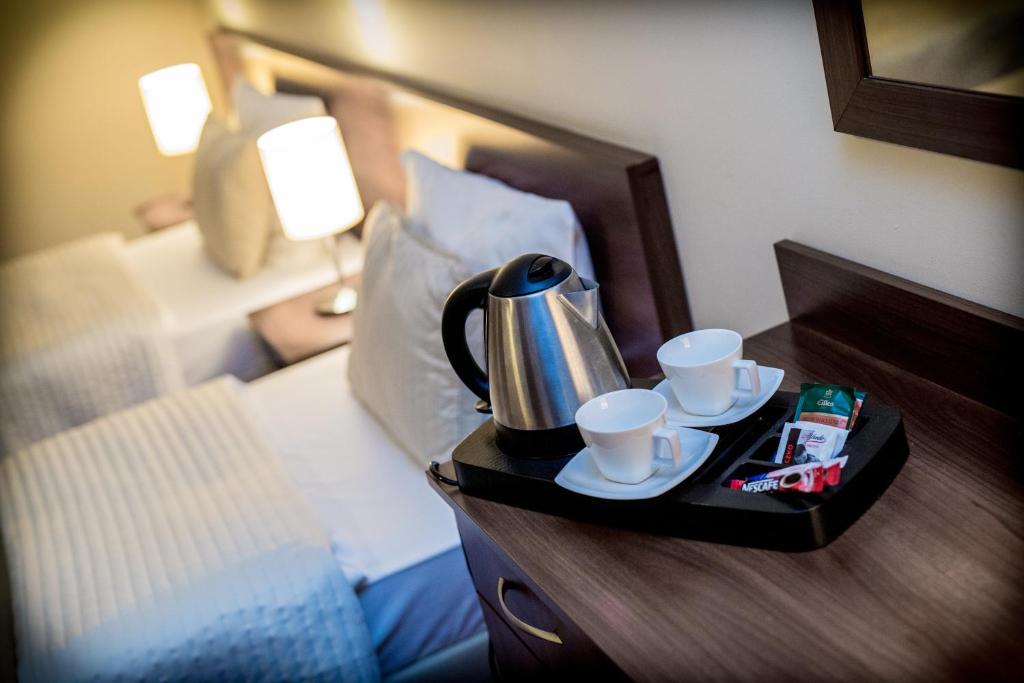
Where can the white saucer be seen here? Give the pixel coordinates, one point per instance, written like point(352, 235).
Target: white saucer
point(582, 476)
point(771, 379)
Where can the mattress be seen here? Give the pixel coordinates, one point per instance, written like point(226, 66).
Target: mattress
point(208, 309)
point(393, 537)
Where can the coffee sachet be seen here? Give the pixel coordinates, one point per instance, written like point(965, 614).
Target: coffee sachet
point(810, 477)
point(828, 404)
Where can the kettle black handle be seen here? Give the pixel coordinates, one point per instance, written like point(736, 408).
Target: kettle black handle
point(464, 299)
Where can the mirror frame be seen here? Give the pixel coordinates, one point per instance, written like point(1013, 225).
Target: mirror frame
point(976, 125)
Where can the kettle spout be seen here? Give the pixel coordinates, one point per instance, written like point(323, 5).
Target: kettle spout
point(584, 303)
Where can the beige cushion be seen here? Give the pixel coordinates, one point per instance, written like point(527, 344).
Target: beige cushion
point(398, 368)
point(232, 203)
point(231, 200)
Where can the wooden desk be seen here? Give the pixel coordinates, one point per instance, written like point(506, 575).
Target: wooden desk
point(928, 585)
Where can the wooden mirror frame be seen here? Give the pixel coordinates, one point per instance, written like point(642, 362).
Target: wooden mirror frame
point(976, 125)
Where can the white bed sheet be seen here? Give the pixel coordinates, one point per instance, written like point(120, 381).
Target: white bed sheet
point(207, 308)
point(371, 497)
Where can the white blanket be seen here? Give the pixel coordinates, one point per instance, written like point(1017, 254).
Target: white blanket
point(166, 542)
point(368, 494)
point(79, 338)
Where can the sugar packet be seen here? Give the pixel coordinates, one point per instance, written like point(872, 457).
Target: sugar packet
point(804, 442)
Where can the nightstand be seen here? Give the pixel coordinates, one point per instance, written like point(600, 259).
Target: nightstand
point(294, 331)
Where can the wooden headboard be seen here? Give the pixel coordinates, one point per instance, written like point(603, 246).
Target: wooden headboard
point(617, 193)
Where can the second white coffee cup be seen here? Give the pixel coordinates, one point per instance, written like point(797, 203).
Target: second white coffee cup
point(625, 430)
point(703, 369)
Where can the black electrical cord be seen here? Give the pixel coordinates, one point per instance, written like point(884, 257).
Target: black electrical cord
point(435, 472)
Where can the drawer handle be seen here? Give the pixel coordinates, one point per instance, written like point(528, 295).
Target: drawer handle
point(549, 636)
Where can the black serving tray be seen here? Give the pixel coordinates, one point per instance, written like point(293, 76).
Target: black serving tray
point(704, 507)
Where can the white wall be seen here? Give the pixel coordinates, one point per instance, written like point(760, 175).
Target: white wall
point(76, 152)
point(731, 97)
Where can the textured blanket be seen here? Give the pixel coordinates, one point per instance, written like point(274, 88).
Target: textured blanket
point(165, 542)
point(79, 338)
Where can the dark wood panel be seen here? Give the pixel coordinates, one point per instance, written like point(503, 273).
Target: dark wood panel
point(844, 52)
point(660, 250)
point(230, 62)
point(976, 125)
point(925, 586)
point(966, 347)
point(981, 126)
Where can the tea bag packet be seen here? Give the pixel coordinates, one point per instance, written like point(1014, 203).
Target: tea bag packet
point(828, 404)
point(804, 442)
point(860, 395)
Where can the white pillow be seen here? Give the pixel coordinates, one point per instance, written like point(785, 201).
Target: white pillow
point(257, 113)
point(397, 367)
point(485, 222)
point(231, 201)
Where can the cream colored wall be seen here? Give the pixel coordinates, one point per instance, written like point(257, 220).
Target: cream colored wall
point(76, 153)
point(731, 97)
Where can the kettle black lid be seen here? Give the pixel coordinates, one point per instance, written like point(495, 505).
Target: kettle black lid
point(528, 274)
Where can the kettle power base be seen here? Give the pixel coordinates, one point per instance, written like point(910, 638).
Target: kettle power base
point(704, 507)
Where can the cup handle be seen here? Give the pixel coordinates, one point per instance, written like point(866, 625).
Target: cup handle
point(750, 367)
point(671, 438)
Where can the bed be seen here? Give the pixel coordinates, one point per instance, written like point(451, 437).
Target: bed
point(390, 535)
point(103, 323)
point(369, 522)
point(207, 310)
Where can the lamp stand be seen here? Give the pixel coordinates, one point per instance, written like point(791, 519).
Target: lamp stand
point(342, 299)
point(338, 302)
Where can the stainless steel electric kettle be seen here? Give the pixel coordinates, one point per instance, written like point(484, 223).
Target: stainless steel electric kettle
point(547, 348)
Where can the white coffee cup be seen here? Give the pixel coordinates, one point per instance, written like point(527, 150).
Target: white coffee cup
point(623, 430)
point(703, 368)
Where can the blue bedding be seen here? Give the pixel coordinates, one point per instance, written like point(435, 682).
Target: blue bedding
point(421, 610)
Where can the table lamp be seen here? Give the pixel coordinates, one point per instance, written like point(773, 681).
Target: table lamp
point(177, 105)
point(314, 190)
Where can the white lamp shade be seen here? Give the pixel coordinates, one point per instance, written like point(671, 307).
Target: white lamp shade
point(310, 178)
point(177, 105)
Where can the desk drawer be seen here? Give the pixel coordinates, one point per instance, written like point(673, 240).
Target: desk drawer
point(513, 660)
point(527, 611)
